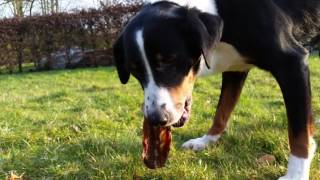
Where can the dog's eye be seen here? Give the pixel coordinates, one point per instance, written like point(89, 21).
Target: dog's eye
point(159, 57)
point(162, 65)
point(165, 59)
point(133, 67)
point(172, 58)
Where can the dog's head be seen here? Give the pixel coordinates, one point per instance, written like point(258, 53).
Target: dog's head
point(163, 47)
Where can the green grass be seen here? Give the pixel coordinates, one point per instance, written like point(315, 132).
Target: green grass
point(83, 124)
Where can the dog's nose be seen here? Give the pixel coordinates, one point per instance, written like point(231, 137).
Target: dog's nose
point(159, 117)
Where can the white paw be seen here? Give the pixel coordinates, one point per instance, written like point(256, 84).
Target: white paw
point(298, 168)
point(288, 177)
point(284, 178)
point(201, 143)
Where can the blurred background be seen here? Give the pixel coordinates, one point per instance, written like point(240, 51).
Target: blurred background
point(40, 35)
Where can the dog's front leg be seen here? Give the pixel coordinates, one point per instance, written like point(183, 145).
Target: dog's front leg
point(292, 74)
point(232, 83)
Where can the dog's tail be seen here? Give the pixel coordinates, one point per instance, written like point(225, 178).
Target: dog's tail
point(316, 46)
point(305, 15)
point(315, 42)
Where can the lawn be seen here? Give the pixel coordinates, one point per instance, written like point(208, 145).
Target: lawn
point(83, 124)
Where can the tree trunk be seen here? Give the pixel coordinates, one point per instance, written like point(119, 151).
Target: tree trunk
point(18, 8)
point(52, 5)
point(20, 59)
point(42, 7)
point(31, 7)
point(57, 6)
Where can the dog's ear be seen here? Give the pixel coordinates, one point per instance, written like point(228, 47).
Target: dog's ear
point(207, 31)
point(213, 27)
point(121, 60)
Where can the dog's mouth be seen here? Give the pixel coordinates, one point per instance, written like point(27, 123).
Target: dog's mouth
point(185, 115)
point(157, 140)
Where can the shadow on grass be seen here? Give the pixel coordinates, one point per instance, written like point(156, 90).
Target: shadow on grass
point(96, 88)
point(51, 97)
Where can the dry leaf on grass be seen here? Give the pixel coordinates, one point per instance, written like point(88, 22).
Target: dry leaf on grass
point(266, 159)
point(136, 177)
point(75, 128)
point(14, 176)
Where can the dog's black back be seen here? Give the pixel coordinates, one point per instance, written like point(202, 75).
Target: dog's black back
point(303, 16)
point(255, 27)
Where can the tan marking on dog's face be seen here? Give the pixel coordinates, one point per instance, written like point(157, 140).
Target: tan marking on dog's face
point(183, 91)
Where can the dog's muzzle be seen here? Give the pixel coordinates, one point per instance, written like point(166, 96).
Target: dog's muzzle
point(162, 117)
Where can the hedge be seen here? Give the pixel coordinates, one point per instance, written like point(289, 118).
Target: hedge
point(27, 40)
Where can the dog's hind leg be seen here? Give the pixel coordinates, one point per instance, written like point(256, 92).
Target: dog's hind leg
point(232, 83)
point(292, 73)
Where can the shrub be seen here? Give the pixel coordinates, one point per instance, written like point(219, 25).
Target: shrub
point(27, 40)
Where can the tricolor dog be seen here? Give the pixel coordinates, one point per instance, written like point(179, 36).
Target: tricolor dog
point(169, 43)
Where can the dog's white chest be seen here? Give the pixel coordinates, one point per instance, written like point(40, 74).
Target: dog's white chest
point(225, 58)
